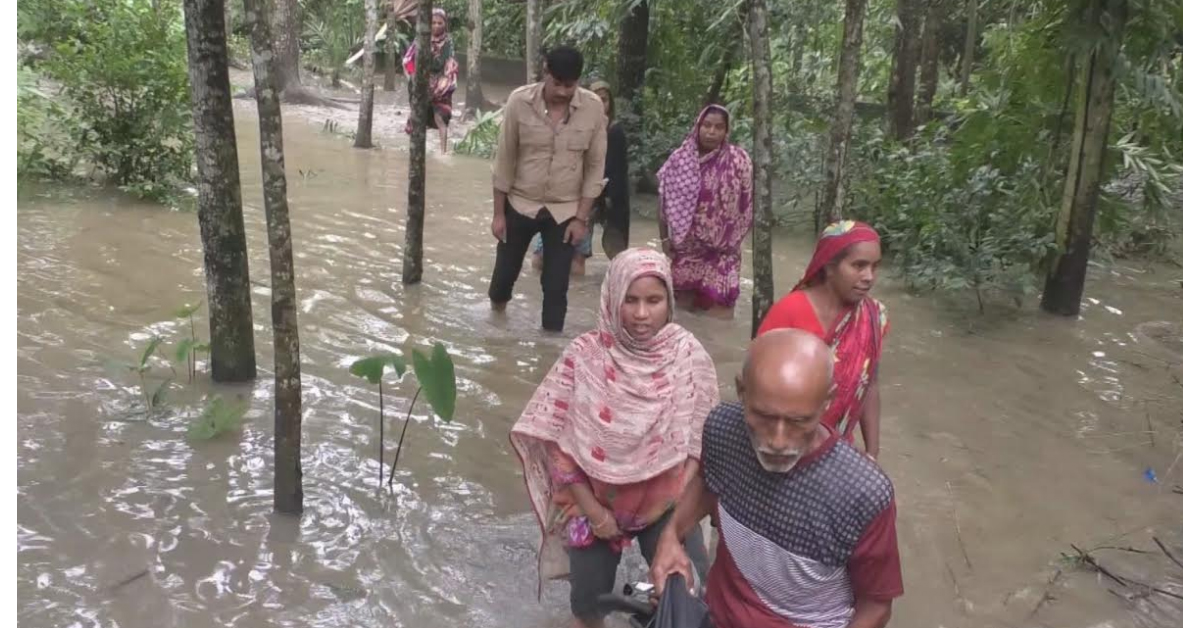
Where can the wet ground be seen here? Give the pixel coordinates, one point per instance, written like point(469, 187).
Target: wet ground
point(1010, 436)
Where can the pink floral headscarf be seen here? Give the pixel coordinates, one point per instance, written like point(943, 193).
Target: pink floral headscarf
point(679, 180)
point(625, 411)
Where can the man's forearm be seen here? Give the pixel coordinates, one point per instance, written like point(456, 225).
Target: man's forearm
point(697, 503)
point(583, 211)
point(498, 200)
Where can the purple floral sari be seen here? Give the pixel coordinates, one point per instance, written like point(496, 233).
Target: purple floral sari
point(706, 203)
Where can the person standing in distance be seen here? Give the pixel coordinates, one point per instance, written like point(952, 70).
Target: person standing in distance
point(548, 172)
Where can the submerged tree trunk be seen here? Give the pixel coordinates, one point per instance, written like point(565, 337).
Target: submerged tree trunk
point(929, 61)
point(833, 191)
point(389, 50)
point(285, 30)
point(219, 198)
point(632, 45)
point(760, 52)
point(533, 40)
point(968, 58)
point(904, 69)
point(289, 491)
point(366, 106)
point(474, 101)
point(1085, 176)
point(414, 229)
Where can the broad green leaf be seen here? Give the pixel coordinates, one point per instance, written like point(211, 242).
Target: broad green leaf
point(436, 375)
point(187, 310)
point(370, 367)
point(184, 350)
point(149, 351)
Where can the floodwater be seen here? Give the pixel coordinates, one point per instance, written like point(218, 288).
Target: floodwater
point(1010, 436)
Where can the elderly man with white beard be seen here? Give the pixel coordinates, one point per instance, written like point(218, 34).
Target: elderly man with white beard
point(807, 522)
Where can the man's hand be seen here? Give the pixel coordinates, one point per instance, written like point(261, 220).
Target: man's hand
point(576, 230)
point(669, 558)
point(500, 227)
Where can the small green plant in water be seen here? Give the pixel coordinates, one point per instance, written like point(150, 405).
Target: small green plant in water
point(481, 140)
point(217, 418)
point(187, 349)
point(435, 376)
point(141, 367)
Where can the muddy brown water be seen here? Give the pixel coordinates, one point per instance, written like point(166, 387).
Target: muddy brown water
point(1010, 436)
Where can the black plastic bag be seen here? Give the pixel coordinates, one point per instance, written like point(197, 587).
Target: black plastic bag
point(677, 608)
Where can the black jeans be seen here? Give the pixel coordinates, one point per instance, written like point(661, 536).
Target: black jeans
point(556, 262)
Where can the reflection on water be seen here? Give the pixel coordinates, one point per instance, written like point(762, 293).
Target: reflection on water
point(1009, 437)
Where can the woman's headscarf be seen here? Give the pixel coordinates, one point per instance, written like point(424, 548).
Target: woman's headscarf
point(624, 410)
point(835, 239)
point(679, 180)
point(612, 105)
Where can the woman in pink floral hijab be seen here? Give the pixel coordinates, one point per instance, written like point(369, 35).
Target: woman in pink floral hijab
point(612, 435)
point(704, 192)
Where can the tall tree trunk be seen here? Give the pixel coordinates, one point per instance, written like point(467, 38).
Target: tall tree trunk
point(1068, 269)
point(389, 50)
point(833, 192)
point(929, 61)
point(285, 29)
point(632, 45)
point(289, 490)
point(219, 202)
point(366, 106)
point(414, 229)
point(760, 52)
point(968, 57)
point(533, 40)
point(904, 69)
point(474, 100)
point(733, 45)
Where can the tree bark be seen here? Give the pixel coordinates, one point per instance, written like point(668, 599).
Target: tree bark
point(366, 105)
point(929, 61)
point(533, 40)
point(1085, 175)
point(285, 29)
point(289, 490)
point(219, 202)
point(414, 229)
point(728, 56)
point(833, 192)
point(632, 45)
point(474, 99)
point(904, 65)
point(760, 52)
point(389, 51)
point(968, 58)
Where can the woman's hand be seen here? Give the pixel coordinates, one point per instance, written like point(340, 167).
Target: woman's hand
point(604, 524)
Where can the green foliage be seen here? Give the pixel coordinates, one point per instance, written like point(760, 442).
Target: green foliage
point(122, 67)
point(371, 368)
point(334, 33)
point(45, 148)
point(981, 229)
point(218, 418)
point(481, 140)
point(436, 375)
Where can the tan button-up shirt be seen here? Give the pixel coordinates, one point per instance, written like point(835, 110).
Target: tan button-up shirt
point(539, 164)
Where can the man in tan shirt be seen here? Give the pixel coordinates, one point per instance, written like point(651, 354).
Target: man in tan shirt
point(548, 172)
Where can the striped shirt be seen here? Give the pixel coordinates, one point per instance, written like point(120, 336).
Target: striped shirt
point(797, 548)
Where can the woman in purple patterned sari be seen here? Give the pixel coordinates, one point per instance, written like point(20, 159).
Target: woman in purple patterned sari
point(704, 192)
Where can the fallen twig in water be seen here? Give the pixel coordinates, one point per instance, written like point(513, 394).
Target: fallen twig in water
point(131, 579)
point(1089, 560)
point(1167, 552)
point(1047, 596)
